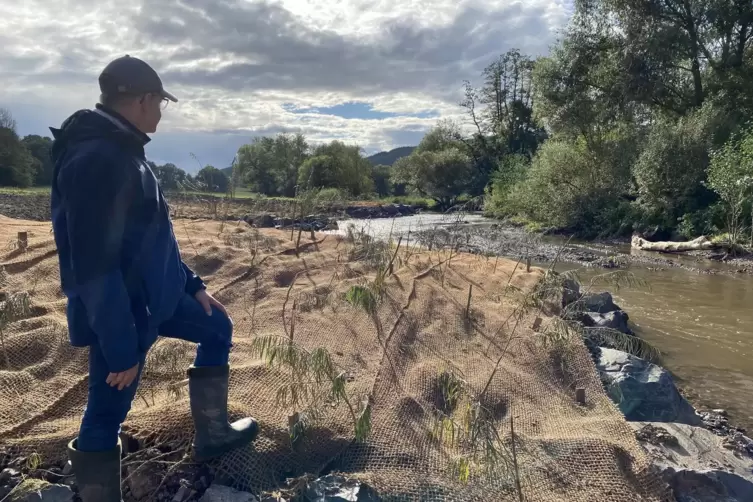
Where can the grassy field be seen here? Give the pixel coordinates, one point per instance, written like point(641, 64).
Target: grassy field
point(244, 193)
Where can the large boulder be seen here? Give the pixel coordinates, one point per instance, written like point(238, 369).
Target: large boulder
point(642, 390)
point(570, 292)
point(601, 303)
point(695, 463)
point(616, 320)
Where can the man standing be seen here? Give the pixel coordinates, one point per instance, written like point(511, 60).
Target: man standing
point(126, 283)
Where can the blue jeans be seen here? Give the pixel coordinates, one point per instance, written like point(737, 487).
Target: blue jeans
point(107, 406)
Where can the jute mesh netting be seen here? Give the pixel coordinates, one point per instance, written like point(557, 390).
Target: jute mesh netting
point(421, 350)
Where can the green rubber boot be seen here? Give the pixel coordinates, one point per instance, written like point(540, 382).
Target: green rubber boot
point(215, 436)
point(97, 473)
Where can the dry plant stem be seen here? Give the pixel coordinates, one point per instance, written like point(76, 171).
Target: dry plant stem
point(394, 255)
point(515, 460)
point(499, 361)
point(285, 304)
point(188, 236)
point(468, 304)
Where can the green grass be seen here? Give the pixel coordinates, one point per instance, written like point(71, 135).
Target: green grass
point(245, 193)
point(25, 191)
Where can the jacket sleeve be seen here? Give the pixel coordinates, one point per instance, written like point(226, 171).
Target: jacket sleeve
point(97, 196)
point(193, 282)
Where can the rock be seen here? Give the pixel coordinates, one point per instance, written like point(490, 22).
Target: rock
point(697, 467)
point(7, 474)
point(145, 478)
point(599, 302)
point(642, 390)
point(617, 320)
point(264, 221)
point(36, 490)
point(184, 493)
point(335, 488)
point(570, 292)
point(655, 435)
point(220, 493)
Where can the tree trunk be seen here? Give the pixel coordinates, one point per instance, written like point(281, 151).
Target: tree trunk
point(699, 244)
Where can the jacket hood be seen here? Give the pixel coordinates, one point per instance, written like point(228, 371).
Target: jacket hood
point(101, 123)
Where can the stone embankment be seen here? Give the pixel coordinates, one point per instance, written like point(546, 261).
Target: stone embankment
point(700, 455)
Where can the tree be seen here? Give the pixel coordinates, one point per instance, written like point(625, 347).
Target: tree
point(17, 166)
point(40, 147)
point(337, 165)
point(671, 168)
point(381, 177)
point(731, 177)
point(270, 165)
point(212, 179)
point(6, 120)
point(170, 176)
point(442, 176)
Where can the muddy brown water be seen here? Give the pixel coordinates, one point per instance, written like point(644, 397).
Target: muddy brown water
point(702, 323)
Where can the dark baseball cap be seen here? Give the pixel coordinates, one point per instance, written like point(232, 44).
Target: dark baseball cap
point(130, 75)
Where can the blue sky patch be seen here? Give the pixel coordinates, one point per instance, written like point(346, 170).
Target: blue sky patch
point(355, 110)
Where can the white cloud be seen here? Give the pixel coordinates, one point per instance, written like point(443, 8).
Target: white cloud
point(235, 63)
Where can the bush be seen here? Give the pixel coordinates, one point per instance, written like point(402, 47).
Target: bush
point(672, 167)
point(512, 170)
point(730, 175)
point(569, 188)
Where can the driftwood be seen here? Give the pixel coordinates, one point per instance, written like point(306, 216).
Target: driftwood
point(699, 244)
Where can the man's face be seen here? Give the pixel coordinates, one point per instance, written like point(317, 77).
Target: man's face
point(151, 111)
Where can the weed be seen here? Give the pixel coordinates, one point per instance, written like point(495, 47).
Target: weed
point(315, 380)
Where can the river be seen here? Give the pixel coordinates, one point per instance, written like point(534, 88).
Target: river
point(701, 323)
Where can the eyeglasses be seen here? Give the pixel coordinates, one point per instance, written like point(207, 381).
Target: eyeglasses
point(164, 103)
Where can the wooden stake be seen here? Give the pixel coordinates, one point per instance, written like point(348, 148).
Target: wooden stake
point(537, 323)
point(580, 396)
point(23, 240)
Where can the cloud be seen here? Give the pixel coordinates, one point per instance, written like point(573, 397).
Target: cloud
point(376, 73)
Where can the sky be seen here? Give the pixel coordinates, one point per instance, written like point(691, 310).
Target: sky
point(376, 73)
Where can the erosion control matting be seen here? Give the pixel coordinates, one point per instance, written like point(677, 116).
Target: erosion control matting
point(448, 382)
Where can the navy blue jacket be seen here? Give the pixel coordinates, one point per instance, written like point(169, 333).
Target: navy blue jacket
point(120, 265)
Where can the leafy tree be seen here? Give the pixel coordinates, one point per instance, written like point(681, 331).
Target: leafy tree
point(512, 170)
point(730, 175)
point(501, 111)
point(442, 176)
point(337, 165)
point(39, 147)
point(170, 176)
point(270, 165)
point(671, 169)
point(212, 179)
point(381, 176)
point(17, 166)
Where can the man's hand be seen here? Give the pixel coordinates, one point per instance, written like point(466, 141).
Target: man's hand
point(124, 378)
point(206, 300)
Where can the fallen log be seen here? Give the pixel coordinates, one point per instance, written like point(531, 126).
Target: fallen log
point(699, 244)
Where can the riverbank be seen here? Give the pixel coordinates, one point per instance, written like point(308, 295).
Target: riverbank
point(699, 453)
point(415, 336)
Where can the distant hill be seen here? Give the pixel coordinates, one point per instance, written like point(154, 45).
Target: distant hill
point(389, 158)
